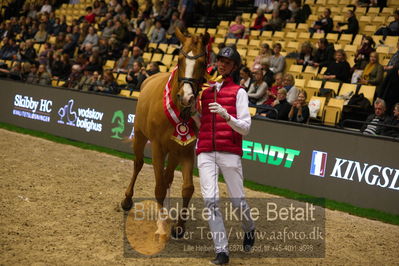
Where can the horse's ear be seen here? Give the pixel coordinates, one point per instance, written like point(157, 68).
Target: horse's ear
point(205, 38)
point(180, 35)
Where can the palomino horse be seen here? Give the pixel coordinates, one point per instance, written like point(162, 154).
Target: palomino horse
point(152, 123)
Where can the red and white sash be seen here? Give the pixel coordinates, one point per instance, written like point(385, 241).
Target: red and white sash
point(184, 131)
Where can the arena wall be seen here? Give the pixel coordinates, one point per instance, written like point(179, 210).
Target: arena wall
point(334, 164)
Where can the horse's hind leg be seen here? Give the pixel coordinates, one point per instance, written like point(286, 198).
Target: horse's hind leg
point(187, 193)
point(139, 142)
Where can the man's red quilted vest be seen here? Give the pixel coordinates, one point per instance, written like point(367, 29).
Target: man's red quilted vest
point(215, 134)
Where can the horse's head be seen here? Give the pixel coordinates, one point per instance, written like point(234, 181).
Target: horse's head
point(192, 67)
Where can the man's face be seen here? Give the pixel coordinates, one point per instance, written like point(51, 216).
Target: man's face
point(136, 52)
point(225, 66)
point(339, 57)
point(379, 109)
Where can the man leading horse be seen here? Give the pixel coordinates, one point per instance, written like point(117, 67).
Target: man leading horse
point(224, 119)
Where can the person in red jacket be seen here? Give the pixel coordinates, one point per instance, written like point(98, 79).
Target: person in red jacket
point(90, 16)
point(224, 120)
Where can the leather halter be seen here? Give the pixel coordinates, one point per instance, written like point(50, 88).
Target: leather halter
point(194, 83)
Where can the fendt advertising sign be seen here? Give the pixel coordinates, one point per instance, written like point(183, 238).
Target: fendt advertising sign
point(337, 165)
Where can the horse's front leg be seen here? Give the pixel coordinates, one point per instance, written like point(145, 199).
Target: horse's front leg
point(187, 164)
point(158, 161)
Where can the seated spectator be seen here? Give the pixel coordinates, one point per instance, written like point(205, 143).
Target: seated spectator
point(153, 69)
point(158, 34)
point(289, 86)
point(294, 6)
point(284, 13)
point(102, 47)
point(97, 8)
point(60, 66)
point(306, 55)
point(373, 72)
point(392, 121)
point(140, 39)
point(299, 110)
point(260, 20)
point(84, 83)
point(165, 13)
point(268, 5)
point(280, 105)
point(272, 91)
point(394, 61)
point(60, 41)
point(90, 17)
point(32, 77)
point(14, 73)
point(93, 64)
point(41, 34)
point(175, 23)
point(46, 7)
point(69, 46)
point(135, 77)
point(268, 75)
point(57, 27)
point(32, 12)
point(324, 54)
point(44, 55)
point(44, 77)
point(91, 38)
point(123, 62)
point(379, 117)
point(74, 77)
point(257, 93)
point(277, 61)
point(324, 23)
point(275, 23)
point(392, 29)
point(265, 52)
point(389, 88)
point(246, 78)
point(108, 30)
point(352, 23)
point(9, 50)
point(120, 32)
point(236, 29)
point(28, 54)
point(338, 70)
point(114, 50)
point(362, 56)
point(107, 83)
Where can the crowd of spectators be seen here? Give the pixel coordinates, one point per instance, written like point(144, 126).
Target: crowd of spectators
point(76, 52)
point(47, 47)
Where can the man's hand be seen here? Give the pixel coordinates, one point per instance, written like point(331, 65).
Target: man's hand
point(217, 108)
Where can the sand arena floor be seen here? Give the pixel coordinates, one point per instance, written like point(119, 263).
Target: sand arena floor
point(60, 205)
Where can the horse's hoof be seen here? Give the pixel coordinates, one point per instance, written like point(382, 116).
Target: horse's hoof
point(177, 232)
point(127, 204)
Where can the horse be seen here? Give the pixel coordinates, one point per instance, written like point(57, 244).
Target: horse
point(169, 140)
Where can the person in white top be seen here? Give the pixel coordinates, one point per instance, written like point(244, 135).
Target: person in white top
point(46, 7)
point(224, 120)
point(289, 85)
